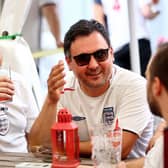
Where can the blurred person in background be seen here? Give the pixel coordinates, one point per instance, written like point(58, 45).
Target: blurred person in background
point(104, 92)
point(34, 28)
point(116, 12)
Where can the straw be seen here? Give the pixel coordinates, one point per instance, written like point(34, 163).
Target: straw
point(117, 125)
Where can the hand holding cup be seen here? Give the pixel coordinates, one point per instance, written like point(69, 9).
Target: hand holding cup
point(6, 84)
point(56, 82)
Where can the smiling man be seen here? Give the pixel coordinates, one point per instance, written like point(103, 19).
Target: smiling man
point(97, 90)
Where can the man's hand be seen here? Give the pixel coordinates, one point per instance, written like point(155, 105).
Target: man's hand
point(59, 43)
point(157, 134)
point(6, 88)
point(56, 82)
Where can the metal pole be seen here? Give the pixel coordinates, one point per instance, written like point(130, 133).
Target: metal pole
point(134, 50)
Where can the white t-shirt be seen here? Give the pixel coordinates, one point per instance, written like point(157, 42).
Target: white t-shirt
point(21, 113)
point(125, 99)
point(154, 158)
point(118, 21)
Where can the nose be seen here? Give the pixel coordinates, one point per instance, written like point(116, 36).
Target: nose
point(93, 63)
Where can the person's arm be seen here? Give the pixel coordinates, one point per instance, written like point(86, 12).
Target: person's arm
point(148, 10)
point(49, 11)
point(128, 142)
point(157, 134)
point(6, 88)
point(40, 134)
point(85, 148)
point(98, 12)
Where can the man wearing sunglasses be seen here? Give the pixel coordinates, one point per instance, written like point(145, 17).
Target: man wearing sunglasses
point(97, 90)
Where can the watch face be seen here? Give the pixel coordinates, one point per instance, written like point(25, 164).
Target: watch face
point(4, 124)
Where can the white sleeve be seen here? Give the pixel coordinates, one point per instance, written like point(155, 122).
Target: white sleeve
point(133, 112)
point(154, 158)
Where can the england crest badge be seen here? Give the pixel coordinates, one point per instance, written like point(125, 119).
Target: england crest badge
point(4, 122)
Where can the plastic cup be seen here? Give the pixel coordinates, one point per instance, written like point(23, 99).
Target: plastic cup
point(106, 146)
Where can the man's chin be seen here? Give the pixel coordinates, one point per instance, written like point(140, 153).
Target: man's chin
point(95, 85)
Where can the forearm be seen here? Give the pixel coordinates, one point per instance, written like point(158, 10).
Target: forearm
point(159, 130)
point(40, 133)
point(98, 13)
point(128, 141)
point(85, 148)
point(162, 126)
point(51, 14)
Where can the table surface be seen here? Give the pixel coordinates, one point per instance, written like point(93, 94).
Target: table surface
point(9, 160)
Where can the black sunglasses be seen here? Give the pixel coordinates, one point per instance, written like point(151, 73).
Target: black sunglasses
point(84, 59)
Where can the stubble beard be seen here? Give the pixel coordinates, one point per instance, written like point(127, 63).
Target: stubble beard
point(154, 107)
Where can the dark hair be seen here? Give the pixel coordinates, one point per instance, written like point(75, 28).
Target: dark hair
point(159, 65)
point(83, 28)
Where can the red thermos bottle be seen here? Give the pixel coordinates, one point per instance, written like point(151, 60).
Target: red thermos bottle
point(65, 142)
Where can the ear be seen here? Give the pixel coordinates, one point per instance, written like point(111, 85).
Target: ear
point(111, 53)
point(157, 86)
